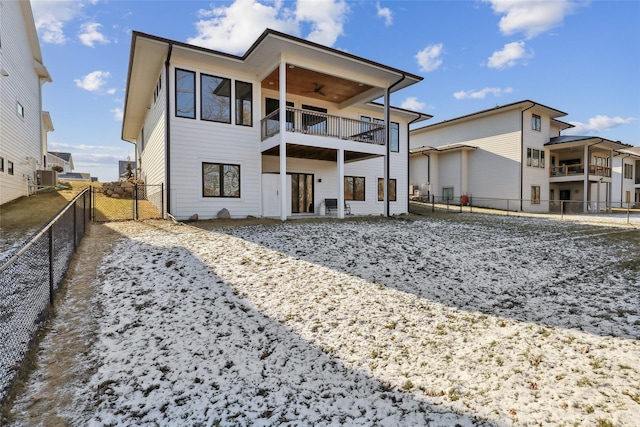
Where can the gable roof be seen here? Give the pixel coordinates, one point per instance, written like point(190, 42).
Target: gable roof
point(149, 53)
point(520, 105)
point(568, 139)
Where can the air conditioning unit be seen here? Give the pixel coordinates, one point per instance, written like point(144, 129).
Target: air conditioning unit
point(47, 178)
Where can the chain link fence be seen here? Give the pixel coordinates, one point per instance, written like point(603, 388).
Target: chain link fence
point(127, 201)
point(628, 213)
point(29, 281)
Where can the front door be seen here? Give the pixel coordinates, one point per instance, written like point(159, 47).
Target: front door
point(302, 193)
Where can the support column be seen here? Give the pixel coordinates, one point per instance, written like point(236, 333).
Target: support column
point(464, 173)
point(282, 115)
point(585, 164)
point(341, 183)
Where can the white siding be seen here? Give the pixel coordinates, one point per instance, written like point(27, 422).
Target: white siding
point(621, 185)
point(151, 150)
point(20, 137)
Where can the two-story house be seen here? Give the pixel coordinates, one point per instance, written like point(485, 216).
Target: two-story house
point(273, 132)
point(513, 157)
point(22, 121)
point(626, 178)
point(64, 160)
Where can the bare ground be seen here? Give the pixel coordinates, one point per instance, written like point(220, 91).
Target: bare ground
point(63, 356)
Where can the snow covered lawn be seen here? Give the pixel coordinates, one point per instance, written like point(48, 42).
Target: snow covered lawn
point(469, 320)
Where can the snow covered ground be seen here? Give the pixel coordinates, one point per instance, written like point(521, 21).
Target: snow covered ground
point(470, 320)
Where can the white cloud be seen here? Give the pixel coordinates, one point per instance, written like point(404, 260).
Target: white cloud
point(481, 94)
point(509, 56)
point(118, 114)
point(235, 27)
point(90, 34)
point(599, 123)
point(51, 16)
point(429, 57)
point(385, 13)
point(412, 103)
point(93, 82)
point(531, 17)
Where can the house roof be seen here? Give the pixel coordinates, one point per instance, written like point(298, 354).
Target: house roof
point(635, 151)
point(64, 156)
point(582, 139)
point(359, 80)
point(47, 122)
point(520, 105)
point(34, 42)
point(122, 167)
point(442, 148)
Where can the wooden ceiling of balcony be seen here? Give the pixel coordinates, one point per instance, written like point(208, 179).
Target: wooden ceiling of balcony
point(313, 84)
point(318, 153)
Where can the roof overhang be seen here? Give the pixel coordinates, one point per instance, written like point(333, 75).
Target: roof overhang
point(360, 80)
point(47, 123)
point(571, 141)
point(521, 106)
point(442, 149)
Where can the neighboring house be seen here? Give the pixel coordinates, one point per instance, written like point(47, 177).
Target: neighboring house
point(513, 152)
point(75, 176)
point(626, 178)
point(122, 169)
point(23, 124)
point(64, 160)
point(209, 126)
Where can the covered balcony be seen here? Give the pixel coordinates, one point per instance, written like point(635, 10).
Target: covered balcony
point(578, 170)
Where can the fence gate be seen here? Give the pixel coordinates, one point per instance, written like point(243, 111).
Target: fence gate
point(127, 201)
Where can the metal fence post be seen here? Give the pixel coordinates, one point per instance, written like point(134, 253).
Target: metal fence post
point(51, 265)
point(507, 207)
point(433, 203)
point(470, 204)
point(135, 192)
point(75, 226)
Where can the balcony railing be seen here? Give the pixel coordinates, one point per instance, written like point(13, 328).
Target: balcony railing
point(571, 170)
point(322, 124)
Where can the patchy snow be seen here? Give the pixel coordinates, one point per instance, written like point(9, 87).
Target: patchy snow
point(473, 320)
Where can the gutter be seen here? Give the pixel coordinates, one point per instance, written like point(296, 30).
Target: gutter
point(533, 104)
point(167, 128)
point(387, 115)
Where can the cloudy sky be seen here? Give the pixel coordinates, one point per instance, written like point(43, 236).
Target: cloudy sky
point(581, 57)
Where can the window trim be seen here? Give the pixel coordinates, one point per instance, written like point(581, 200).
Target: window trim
point(19, 109)
point(381, 187)
point(540, 158)
point(627, 171)
point(239, 108)
point(353, 196)
point(221, 189)
point(536, 122)
point(10, 168)
point(202, 105)
point(176, 113)
point(535, 190)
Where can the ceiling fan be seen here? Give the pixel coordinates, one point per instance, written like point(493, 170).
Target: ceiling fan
point(317, 89)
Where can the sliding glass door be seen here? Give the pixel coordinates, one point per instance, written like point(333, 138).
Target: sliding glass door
point(301, 193)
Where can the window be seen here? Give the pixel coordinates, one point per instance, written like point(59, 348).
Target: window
point(536, 122)
point(185, 94)
point(627, 196)
point(220, 180)
point(354, 188)
point(447, 193)
point(10, 167)
point(1, 164)
point(535, 194)
point(244, 103)
point(601, 161)
point(628, 171)
point(392, 190)
point(156, 92)
point(394, 135)
point(535, 158)
point(19, 109)
point(215, 99)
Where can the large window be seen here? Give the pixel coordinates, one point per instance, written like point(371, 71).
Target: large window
point(244, 103)
point(394, 134)
point(536, 122)
point(535, 158)
point(628, 171)
point(535, 194)
point(354, 188)
point(447, 193)
point(215, 98)
point(220, 180)
point(185, 94)
point(392, 189)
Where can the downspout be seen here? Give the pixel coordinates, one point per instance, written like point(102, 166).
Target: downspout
point(522, 152)
point(167, 128)
point(387, 117)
